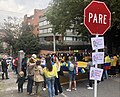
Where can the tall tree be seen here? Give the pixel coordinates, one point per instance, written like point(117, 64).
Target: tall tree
point(19, 37)
point(28, 42)
point(1, 48)
point(11, 27)
point(67, 15)
point(112, 35)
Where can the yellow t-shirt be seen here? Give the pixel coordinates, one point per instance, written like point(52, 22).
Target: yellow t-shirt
point(115, 60)
point(107, 59)
point(49, 74)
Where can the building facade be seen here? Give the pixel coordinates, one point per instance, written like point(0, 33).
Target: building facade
point(68, 42)
point(33, 20)
point(43, 29)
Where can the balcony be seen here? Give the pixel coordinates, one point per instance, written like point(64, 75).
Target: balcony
point(65, 42)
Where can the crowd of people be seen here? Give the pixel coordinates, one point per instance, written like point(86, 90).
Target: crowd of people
point(45, 70)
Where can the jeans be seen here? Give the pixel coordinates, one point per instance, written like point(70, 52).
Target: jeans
point(106, 74)
point(30, 84)
point(50, 83)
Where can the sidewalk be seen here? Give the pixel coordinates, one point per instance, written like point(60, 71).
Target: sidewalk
point(107, 88)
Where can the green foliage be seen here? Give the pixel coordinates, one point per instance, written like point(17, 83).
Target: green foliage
point(19, 37)
point(114, 7)
point(11, 32)
point(67, 14)
point(112, 36)
point(28, 42)
point(1, 48)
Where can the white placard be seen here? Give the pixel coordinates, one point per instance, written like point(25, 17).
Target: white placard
point(95, 73)
point(43, 62)
point(97, 43)
point(98, 58)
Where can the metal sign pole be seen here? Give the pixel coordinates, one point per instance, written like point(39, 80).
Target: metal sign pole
point(95, 81)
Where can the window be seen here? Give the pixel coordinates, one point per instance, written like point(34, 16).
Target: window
point(41, 31)
point(49, 30)
point(29, 23)
point(45, 22)
point(42, 39)
point(48, 22)
point(45, 30)
point(32, 18)
point(41, 23)
point(68, 38)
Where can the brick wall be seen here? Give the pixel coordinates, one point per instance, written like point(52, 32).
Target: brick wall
point(34, 20)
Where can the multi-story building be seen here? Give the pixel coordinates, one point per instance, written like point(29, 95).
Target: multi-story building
point(68, 42)
point(43, 29)
point(34, 20)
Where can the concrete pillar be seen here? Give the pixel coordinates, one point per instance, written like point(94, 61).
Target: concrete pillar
point(21, 55)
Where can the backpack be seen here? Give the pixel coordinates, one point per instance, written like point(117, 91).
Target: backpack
point(70, 66)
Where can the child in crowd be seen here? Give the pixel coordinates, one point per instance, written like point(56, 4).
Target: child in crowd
point(20, 81)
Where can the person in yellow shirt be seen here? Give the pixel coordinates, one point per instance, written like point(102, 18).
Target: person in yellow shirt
point(50, 72)
point(114, 64)
point(106, 66)
point(57, 85)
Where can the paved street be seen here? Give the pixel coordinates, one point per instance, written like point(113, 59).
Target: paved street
point(107, 88)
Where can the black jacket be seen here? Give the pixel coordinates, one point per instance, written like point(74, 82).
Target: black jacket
point(20, 80)
point(4, 65)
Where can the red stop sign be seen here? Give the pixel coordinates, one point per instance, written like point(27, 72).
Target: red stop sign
point(97, 18)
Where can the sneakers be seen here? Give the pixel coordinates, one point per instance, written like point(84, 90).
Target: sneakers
point(68, 90)
point(90, 88)
point(44, 89)
point(74, 89)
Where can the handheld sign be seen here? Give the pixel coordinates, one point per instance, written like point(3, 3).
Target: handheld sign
point(95, 73)
point(98, 58)
point(97, 43)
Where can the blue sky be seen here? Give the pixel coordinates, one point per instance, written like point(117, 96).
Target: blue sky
point(19, 8)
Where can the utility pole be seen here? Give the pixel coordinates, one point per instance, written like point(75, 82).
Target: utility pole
point(54, 46)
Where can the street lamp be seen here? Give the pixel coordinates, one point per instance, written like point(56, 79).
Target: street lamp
point(54, 46)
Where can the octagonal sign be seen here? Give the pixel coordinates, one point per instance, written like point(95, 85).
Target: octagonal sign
point(97, 18)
